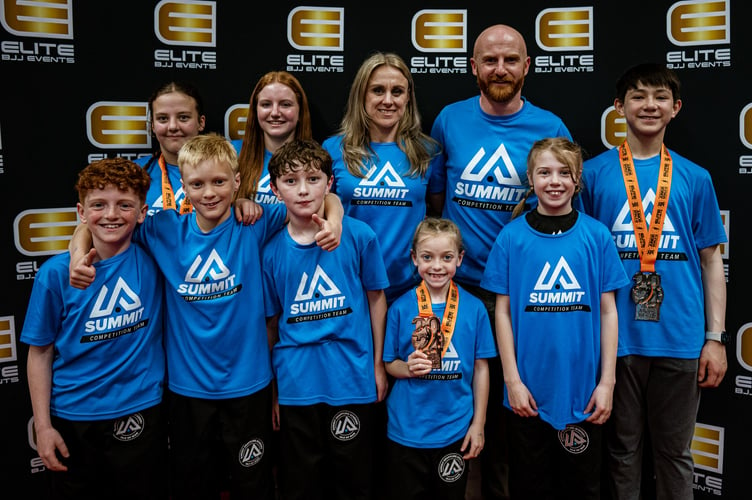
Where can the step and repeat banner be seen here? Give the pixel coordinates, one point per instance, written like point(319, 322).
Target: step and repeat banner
point(76, 77)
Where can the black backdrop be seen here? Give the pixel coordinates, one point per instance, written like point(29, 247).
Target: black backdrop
point(76, 77)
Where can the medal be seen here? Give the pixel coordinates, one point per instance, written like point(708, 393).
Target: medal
point(647, 294)
point(427, 337)
point(431, 335)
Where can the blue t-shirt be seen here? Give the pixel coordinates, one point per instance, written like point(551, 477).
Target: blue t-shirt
point(108, 360)
point(325, 348)
point(554, 284)
point(389, 201)
point(436, 410)
point(154, 195)
point(483, 171)
point(692, 222)
point(215, 329)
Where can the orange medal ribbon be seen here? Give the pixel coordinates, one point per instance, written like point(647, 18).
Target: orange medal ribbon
point(168, 196)
point(647, 240)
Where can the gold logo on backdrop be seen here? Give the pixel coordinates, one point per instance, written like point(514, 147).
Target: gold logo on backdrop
point(186, 23)
point(44, 232)
point(118, 125)
point(613, 128)
point(46, 19)
point(7, 339)
point(235, 120)
point(565, 29)
point(744, 347)
point(707, 447)
point(319, 28)
point(745, 125)
point(440, 30)
point(700, 22)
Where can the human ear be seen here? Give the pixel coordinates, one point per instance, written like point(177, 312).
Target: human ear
point(80, 210)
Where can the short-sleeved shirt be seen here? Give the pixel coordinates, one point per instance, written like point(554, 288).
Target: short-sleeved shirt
point(554, 283)
point(389, 200)
point(483, 171)
point(215, 329)
point(325, 348)
point(436, 410)
point(692, 222)
point(108, 360)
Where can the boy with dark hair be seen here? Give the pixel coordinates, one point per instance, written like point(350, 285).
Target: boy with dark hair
point(327, 316)
point(663, 214)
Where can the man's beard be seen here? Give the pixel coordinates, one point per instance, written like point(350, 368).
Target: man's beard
point(502, 94)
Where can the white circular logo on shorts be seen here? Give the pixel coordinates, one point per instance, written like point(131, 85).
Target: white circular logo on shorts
point(451, 467)
point(345, 425)
point(128, 428)
point(574, 439)
point(251, 453)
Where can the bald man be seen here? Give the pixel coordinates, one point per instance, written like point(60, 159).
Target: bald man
point(476, 182)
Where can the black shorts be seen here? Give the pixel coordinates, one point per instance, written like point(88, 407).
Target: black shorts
point(326, 452)
point(121, 458)
point(221, 445)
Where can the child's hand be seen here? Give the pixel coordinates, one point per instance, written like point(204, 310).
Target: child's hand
point(247, 211)
point(418, 364)
point(521, 401)
point(601, 404)
point(82, 272)
point(474, 441)
point(329, 236)
point(48, 442)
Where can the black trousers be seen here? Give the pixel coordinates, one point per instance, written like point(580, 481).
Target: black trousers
point(326, 452)
point(122, 458)
point(547, 464)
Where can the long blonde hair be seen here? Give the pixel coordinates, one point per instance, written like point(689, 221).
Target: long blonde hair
point(356, 143)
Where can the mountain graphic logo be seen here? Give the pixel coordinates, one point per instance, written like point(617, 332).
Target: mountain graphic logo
point(213, 268)
point(320, 282)
point(509, 178)
point(387, 175)
point(624, 219)
point(451, 352)
point(121, 296)
point(264, 185)
point(562, 275)
point(345, 425)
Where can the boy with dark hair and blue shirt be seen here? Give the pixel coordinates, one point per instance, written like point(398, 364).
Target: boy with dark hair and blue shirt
point(327, 316)
point(663, 214)
point(96, 365)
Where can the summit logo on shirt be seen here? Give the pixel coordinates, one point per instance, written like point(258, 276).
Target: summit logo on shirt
point(158, 206)
point(450, 366)
point(382, 186)
point(208, 279)
point(624, 236)
point(490, 182)
point(317, 298)
point(264, 193)
point(115, 313)
point(557, 290)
